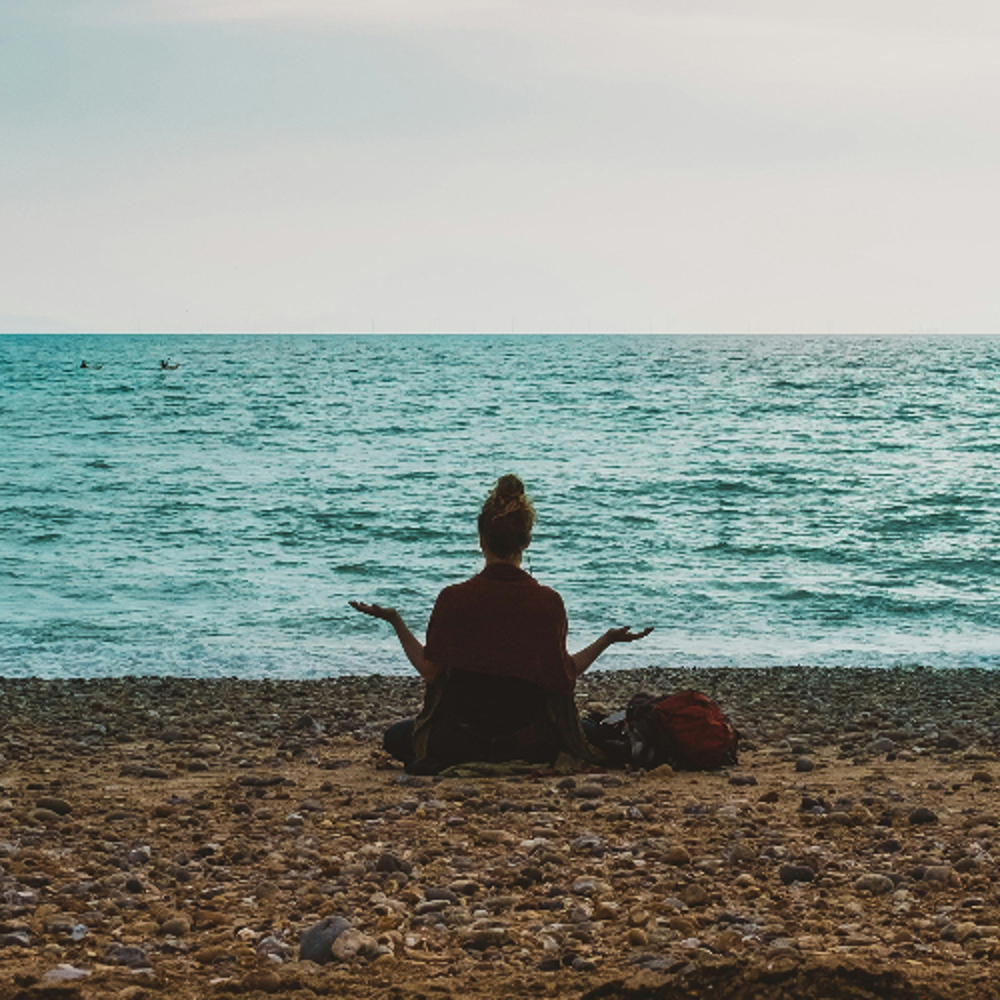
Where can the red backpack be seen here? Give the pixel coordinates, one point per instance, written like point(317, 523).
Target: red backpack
point(686, 730)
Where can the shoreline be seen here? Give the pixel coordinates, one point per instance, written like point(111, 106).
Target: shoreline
point(195, 828)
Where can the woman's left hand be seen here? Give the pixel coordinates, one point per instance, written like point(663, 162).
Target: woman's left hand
point(375, 610)
point(626, 634)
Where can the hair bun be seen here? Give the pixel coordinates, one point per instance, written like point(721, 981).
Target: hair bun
point(508, 487)
point(507, 518)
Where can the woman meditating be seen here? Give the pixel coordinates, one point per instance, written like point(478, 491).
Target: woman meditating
point(499, 678)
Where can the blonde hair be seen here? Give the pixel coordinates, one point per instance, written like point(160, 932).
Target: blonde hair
point(507, 518)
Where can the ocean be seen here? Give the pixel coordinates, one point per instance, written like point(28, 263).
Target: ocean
point(758, 500)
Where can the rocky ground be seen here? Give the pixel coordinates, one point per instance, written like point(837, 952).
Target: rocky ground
point(176, 838)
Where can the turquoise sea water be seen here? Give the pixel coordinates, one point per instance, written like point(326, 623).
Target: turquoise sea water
point(758, 500)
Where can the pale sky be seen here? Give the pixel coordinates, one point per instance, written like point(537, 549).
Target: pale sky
point(472, 166)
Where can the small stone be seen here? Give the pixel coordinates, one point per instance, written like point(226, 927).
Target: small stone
point(742, 854)
point(431, 906)
point(637, 937)
point(388, 862)
point(877, 885)
point(492, 836)
point(941, 874)
point(728, 942)
point(922, 815)
point(45, 817)
point(266, 891)
point(64, 973)
point(274, 948)
point(315, 943)
point(856, 939)
point(694, 895)
point(309, 724)
point(882, 745)
point(262, 980)
point(678, 856)
point(139, 855)
point(795, 873)
point(350, 943)
point(581, 964)
point(129, 955)
point(212, 953)
point(176, 926)
point(662, 771)
point(588, 792)
point(59, 806)
point(804, 764)
point(743, 779)
point(588, 843)
point(481, 938)
point(983, 777)
point(18, 939)
point(966, 930)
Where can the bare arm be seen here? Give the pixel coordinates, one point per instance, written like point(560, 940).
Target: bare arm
point(586, 656)
point(411, 645)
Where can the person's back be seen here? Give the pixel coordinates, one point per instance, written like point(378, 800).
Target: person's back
point(502, 622)
point(500, 679)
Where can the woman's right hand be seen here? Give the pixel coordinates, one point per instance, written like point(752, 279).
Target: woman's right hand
point(375, 610)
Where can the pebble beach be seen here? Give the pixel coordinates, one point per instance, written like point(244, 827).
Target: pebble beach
point(198, 838)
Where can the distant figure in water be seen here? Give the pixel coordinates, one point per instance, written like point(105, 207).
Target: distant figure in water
point(96, 368)
point(168, 367)
point(499, 678)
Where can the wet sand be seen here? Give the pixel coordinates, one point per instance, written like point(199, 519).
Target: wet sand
point(175, 838)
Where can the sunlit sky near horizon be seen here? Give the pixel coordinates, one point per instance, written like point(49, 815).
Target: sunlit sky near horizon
point(471, 166)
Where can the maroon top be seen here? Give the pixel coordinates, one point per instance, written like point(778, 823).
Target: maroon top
point(504, 623)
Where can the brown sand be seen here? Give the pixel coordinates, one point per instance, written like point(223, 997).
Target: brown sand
point(190, 831)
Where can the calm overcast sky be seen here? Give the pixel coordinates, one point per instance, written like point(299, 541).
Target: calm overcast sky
point(465, 165)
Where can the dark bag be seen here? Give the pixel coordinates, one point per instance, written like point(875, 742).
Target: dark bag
point(686, 730)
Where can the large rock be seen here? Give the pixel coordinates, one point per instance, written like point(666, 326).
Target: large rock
point(315, 943)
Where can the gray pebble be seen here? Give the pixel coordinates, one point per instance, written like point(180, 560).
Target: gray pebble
point(126, 954)
point(64, 973)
